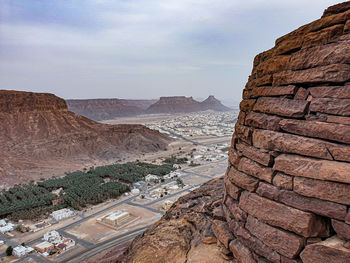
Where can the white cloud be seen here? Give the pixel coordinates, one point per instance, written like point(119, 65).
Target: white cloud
point(142, 44)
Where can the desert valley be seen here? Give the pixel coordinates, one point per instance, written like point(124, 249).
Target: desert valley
point(164, 178)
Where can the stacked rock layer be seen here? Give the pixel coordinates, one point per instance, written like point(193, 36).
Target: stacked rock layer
point(287, 187)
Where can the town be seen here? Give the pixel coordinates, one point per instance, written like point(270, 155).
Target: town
point(70, 234)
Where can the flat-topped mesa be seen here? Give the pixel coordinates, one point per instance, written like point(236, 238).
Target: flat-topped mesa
point(287, 187)
point(17, 101)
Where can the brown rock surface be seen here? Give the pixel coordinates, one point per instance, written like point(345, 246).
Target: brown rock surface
point(37, 132)
point(322, 252)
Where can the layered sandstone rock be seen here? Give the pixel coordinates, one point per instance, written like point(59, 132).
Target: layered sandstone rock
point(289, 165)
point(39, 137)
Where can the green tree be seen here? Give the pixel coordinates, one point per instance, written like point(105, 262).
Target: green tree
point(9, 251)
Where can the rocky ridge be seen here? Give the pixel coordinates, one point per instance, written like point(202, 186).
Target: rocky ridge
point(287, 186)
point(107, 109)
point(38, 132)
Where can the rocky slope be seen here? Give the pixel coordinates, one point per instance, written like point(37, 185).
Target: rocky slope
point(287, 186)
point(38, 132)
point(182, 104)
point(106, 109)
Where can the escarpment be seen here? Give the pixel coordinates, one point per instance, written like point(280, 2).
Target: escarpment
point(287, 187)
point(39, 137)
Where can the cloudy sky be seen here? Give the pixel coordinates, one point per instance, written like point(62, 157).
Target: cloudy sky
point(141, 48)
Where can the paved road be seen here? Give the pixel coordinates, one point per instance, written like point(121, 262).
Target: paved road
point(99, 247)
point(102, 245)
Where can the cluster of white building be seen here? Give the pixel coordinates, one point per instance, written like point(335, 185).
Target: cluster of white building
point(5, 226)
point(54, 243)
point(62, 214)
point(21, 251)
point(198, 124)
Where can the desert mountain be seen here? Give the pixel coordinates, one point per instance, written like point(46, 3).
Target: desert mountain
point(286, 193)
point(174, 104)
point(37, 132)
point(212, 103)
point(106, 109)
point(182, 104)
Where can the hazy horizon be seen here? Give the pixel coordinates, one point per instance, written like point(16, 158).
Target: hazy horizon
point(141, 49)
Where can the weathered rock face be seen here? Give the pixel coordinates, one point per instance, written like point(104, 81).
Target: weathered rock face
point(289, 165)
point(37, 132)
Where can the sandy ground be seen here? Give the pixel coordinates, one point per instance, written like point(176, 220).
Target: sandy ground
point(94, 232)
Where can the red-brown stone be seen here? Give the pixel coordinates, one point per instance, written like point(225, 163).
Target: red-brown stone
point(256, 245)
point(317, 206)
point(283, 181)
point(342, 229)
point(336, 73)
point(254, 169)
point(222, 233)
point(241, 252)
point(281, 106)
point(285, 243)
point(313, 168)
point(231, 189)
point(276, 214)
point(329, 131)
point(264, 121)
point(243, 180)
point(331, 106)
point(260, 156)
point(340, 92)
point(334, 192)
point(283, 142)
point(330, 250)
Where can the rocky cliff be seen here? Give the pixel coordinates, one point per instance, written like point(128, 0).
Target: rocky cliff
point(38, 132)
point(287, 186)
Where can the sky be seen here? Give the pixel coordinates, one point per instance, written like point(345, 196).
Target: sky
point(141, 48)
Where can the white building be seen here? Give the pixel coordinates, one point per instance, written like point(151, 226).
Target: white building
point(7, 228)
point(62, 214)
point(53, 237)
point(2, 242)
point(151, 177)
point(3, 222)
point(21, 251)
point(135, 191)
